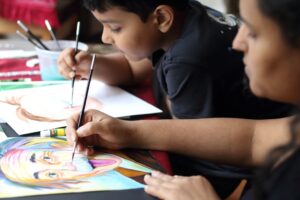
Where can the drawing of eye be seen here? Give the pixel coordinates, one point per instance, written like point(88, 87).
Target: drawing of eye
point(48, 158)
point(32, 158)
point(52, 175)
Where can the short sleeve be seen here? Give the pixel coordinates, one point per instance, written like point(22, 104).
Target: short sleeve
point(190, 90)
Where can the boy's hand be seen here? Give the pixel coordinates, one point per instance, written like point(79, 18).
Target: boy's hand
point(68, 63)
point(179, 187)
point(98, 129)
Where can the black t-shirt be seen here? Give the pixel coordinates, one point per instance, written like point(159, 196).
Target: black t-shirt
point(203, 76)
point(283, 182)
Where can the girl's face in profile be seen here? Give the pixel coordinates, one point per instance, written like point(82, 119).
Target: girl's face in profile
point(272, 65)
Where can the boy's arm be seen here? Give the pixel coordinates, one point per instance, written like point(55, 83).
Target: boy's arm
point(116, 69)
point(229, 141)
point(113, 69)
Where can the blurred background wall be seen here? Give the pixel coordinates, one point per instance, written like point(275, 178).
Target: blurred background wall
point(216, 4)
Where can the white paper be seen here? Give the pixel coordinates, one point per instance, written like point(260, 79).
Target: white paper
point(16, 54)
point(53, 100)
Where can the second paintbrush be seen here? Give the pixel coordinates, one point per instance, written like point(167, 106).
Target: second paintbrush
point(84, 102)
point(76, 50)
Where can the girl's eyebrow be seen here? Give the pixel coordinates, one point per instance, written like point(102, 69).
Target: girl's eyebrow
point(246, 22)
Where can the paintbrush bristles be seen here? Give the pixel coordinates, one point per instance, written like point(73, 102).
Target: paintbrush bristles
point(77, 36)
point(76, 50)
point(48, 25)
point(73, 151)
point(22, 35)
point(22, 25)
point(78, 28)
point(28, 39)
point(52, 34)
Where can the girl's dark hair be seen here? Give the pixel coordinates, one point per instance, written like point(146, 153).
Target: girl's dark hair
point(261, 187)
point(142, 8)
point(286, 13)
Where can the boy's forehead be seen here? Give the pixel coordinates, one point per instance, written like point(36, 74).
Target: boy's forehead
point(113, 10)
point(113, 15)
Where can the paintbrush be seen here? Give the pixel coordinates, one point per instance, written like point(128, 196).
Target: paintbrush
point(26, 29)
point(52, 34)
point(25, 37)
point(76, 49)
point(84, 102)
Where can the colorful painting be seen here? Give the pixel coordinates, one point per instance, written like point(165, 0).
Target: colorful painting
point(35, 109)
point(2, 134)
point(39, 166)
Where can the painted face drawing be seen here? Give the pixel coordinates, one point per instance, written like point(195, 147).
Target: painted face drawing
point(52, 168)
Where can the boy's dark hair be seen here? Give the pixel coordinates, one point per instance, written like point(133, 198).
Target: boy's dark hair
point(142, 8)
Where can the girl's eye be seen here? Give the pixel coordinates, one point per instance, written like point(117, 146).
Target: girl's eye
point(252, 35)
point(115, 30)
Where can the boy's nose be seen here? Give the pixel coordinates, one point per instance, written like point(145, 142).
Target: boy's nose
point(106, 37)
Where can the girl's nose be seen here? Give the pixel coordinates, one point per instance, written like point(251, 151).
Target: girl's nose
point(239, 42)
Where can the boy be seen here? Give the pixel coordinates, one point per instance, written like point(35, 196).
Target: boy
point(189, 46)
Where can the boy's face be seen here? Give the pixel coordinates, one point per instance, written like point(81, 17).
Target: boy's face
point(129, 34)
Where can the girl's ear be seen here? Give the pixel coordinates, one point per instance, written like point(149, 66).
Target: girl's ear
point(164, 16)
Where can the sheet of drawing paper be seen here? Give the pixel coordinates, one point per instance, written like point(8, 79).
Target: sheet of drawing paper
point(39, 166)
point(35, 109)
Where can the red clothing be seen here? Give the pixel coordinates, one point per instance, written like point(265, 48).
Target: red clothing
point(30, 11)
point(14, 69)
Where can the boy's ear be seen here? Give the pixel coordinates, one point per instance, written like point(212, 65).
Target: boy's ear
point(164, 16)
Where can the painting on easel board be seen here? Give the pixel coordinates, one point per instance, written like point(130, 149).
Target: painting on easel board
point(38, 166)
point(35, 109)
